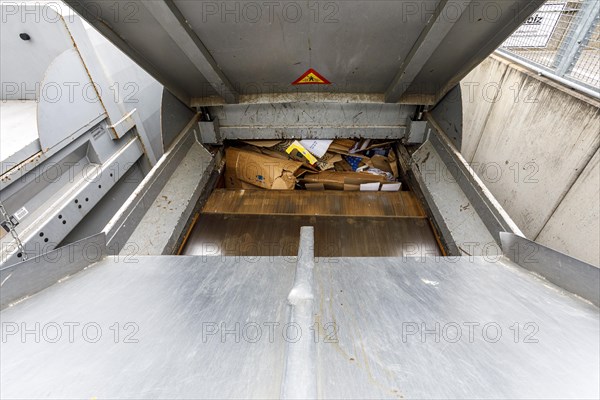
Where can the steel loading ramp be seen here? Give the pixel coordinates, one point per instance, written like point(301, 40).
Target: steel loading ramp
point(228, 327)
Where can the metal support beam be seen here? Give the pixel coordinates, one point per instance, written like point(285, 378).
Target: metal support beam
point(549, 73)
point(435, 31)
point(312, 120)
point(174, 23)
point(519, 13)
point(579, 35)
point(54, 214)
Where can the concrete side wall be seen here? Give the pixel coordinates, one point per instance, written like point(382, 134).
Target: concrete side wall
point(535, 145)
point(574, 224)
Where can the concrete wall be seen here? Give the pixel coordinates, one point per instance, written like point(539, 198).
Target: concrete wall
point(536, 144)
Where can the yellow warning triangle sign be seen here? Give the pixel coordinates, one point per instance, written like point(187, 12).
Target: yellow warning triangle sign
point(311, 77)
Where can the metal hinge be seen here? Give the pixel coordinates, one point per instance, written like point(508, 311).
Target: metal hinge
point(9, 224)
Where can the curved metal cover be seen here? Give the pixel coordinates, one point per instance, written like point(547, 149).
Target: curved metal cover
point(397, 51)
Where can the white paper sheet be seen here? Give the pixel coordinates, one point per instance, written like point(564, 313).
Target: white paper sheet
point(317, 148)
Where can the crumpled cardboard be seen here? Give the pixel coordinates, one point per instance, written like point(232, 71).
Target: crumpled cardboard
point(328, 161)
point(260, 170)
point(232, 182)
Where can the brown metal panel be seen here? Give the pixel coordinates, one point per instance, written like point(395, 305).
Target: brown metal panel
point(278, 235)
point(325, 203)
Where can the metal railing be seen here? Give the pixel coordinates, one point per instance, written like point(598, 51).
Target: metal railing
point(562, 41)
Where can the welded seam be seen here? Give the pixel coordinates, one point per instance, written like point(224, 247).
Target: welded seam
point(300, 370)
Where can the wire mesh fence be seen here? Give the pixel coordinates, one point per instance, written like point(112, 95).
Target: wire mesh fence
point(561, 39)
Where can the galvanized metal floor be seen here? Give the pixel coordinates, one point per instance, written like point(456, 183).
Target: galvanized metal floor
point(188, 329)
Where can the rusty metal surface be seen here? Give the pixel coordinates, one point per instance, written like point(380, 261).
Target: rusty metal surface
point(278, 235)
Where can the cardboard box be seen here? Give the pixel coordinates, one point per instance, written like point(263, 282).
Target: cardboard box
point(260, 170)
point(381, 163)
point(262, 143)
point(393, 163)
point(341, 146)
point(328, 161)
point(232, 182)
point(336, 180)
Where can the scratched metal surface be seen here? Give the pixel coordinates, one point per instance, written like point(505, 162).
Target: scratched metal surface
point(368, 299)
point(169, 299)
